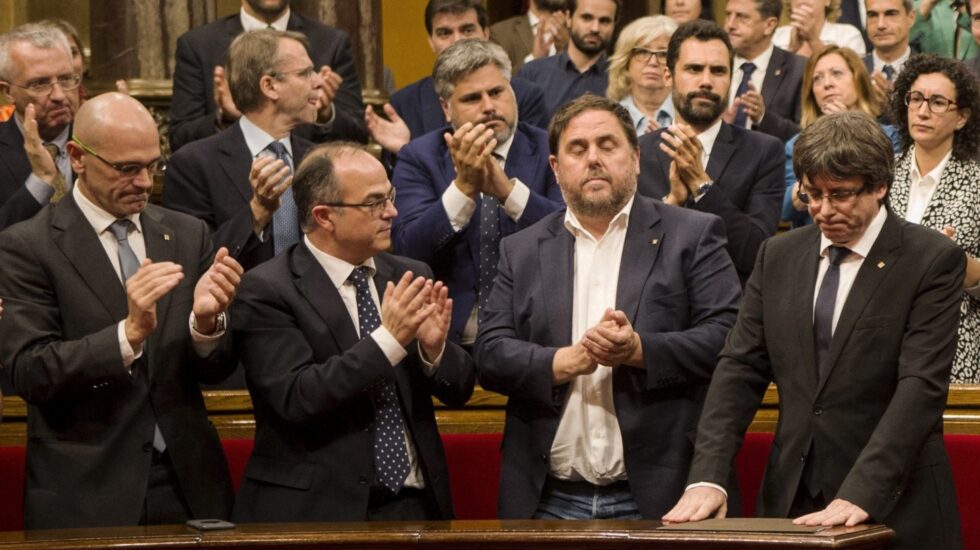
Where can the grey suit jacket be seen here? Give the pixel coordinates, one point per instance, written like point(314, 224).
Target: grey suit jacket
point(90, 421)
point(871, 429)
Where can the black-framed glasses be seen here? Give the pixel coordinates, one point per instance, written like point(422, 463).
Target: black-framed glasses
point(128, 169)
point(840, 196)
point(937, 103)
point(44, 87)
point(643, 55)
point(376, 207)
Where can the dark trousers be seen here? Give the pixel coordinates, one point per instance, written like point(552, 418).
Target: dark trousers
point(408, 505)
point(165, 503)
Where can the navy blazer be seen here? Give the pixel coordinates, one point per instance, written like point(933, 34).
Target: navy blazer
point(679, 290)
point(422, 229)
point(309, 376)
point(781, 93)
point(208, 179)
point(418, 105)
point(199, 50)
point(747, 170)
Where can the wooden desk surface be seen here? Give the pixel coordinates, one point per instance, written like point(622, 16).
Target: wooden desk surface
point(482, 534)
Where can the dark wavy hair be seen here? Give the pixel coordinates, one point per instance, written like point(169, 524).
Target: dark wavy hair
point(966, 140)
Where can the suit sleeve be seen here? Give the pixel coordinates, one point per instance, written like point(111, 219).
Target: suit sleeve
point(45, 365)
point(928, 346)
point(187, 189)
point(531, 106)
point(757, 219)
point(191, 110)
point(422, 227)
point(689, 356)
point(779, 126)
point(739, 382)
point(507, 361)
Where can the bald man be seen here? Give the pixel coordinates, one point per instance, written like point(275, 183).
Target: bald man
point(119, 309)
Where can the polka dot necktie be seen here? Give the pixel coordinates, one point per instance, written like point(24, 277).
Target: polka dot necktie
point(390, 453)
point(285, 220)
point(489, 243)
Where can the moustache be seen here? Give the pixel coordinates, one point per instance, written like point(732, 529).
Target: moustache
point(492, 118)
point(594, 174)
point(704, 95)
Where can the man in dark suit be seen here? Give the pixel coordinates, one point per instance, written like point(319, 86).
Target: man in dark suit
point(415, 110)
point(602, 329)
point(540, 32)
point(854, 318)
point(345, 429)
point(765, 90)
point(706, 164)
point(38, 80)
point(117, 429)
point(238, 180)
point(462, 188)
point(889, 25)
point(203, 104)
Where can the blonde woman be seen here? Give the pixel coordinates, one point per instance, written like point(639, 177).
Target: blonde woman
point(637, 72)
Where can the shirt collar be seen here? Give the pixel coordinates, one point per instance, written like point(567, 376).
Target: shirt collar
point(250, 23)
point(257, 139)
point(863, 246)
point(761, 61)
point(935, 173)
point(640, 119)
point(99, 219)
point(338, 270)
point(708, 137)
point(60, 140)
point(504, 148)
point(601, 64)
point(575, 227)
point(879, 63)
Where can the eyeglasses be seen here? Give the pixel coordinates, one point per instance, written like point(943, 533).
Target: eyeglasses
point(841, 196)
point(44, 87)
point(129, 169)
point(306, 73)
point(643, 55)
point(375, 207)
point(937, 103)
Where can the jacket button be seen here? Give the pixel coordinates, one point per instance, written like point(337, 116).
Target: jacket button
point(362, 480)
point(544, 457)
point(802, 457)
point(147, 447)
point(817, 411)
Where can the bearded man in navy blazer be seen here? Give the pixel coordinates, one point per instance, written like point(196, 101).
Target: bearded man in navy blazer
point(602, 329)
point(706, 164)
point(462, 188)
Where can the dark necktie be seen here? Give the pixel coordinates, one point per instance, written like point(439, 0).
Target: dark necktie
point(285, 220)
point(129, 264)
point(390, 452)
point(823, 311)
point(489, 242)
point(889, 72)
point(59, 184)
point(747, 69)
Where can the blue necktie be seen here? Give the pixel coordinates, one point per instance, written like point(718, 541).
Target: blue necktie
point(129, 264)
point(823, 311)
point(285, 220)
point(747, 69)
point(390, 452)
point(889, 72)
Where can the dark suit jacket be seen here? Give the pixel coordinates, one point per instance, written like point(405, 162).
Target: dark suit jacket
point(208, 179)
point(747, 170)
point(872, 429)
point(309, 377)
point(16, 202)
point(199, 50)
point(418, 105)
point(90, 422)
point(422, 229)
point(515, 37)
point(679, 290)
point(781, 93)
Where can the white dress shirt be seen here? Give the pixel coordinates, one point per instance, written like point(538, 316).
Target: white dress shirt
point(588, 445)
point(922, 187)
point(339, 271)
point(761, 63)
point(840, 34)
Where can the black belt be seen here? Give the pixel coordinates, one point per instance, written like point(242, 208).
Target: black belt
point(584, 486)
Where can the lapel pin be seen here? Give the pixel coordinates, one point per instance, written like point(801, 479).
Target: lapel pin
point(777, 72)
point(655, 241)
point(166, 236)
point(881, 264)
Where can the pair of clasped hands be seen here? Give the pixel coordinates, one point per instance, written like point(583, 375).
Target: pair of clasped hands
point(612, 341)
point(417, 308)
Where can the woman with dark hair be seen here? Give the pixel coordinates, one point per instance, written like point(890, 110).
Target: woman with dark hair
point(684, 11)
point(835, 79)
point(936, 105)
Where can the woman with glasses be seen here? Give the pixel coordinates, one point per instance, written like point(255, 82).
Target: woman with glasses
point(936, 103)
point(637, 72)
point(834, 80)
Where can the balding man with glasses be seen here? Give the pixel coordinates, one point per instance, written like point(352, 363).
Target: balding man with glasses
point(36, 76)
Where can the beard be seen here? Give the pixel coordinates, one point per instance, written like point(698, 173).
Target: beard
point(585, 47)
point(607, 206)
point(268, 8)
point(697, 115)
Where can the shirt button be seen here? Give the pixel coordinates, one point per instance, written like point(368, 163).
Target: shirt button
point(817, 411)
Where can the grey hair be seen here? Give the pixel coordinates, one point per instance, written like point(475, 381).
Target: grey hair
point(40, 35)
point(464, 57)
point(252, 55)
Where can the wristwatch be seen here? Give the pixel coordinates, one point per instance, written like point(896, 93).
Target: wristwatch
point(702, 189)
point(220, 324)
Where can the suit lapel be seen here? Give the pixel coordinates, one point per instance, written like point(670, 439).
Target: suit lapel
point(773, 77)
point(236, 160)
point(314, 284)
point(161, 246)
point(721, 152)
point(640, 250)
point(517, 166)
point(882, 257)
point(556, 256)
point(81, 246)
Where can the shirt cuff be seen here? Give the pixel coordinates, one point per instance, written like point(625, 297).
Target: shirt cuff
point(430, 368)
point(41, 191)
point(394, 351)
point(205, 344)
point(517, 200)
point(458, 206)
point(129, 355)
point(707, 484)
